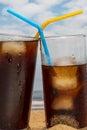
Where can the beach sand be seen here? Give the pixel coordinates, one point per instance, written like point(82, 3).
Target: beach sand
point(37, 122)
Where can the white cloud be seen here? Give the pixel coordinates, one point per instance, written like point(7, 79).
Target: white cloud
point(14, 3)
point(49, 2)
point(76, 4)
point(18, 29)
point(31, 9)
point(12, 29)
point(40, 11)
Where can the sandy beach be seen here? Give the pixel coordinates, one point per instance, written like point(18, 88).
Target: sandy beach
point(37, 122)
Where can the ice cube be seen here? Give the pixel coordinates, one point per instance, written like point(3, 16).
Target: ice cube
point(66, 60)
point(13, 47)
point(64, 83)
point(63, 102)
point(65, 77)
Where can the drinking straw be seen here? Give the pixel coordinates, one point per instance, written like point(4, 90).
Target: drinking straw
point(49, 21)
point(39, 29)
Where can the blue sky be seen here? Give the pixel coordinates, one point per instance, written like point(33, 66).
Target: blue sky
point(39, 11)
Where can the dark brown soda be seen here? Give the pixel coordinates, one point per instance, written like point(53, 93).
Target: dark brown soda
point(69, 104)
point(16, 84)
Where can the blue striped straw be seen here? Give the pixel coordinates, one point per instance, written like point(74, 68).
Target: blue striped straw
point(39, 29)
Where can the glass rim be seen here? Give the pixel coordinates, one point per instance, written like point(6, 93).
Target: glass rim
point(65, 36)
point(16, 37)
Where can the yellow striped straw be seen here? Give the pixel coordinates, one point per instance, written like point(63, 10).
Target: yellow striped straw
point(58, 18)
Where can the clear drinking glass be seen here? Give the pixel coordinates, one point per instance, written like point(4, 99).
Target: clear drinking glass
point(17, 66)
point(65, 81)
